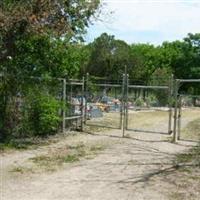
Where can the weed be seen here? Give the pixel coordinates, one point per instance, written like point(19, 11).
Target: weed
point(20, 169)
point(96, 148)
point(70, 158)
point(193, 156)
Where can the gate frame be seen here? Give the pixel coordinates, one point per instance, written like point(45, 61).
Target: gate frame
point(112, 85)
point(169, 87)
point(178, 107)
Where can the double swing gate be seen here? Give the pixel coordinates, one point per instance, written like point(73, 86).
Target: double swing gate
point(129, 105)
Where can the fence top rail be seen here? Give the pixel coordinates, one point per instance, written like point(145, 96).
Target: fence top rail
point(148, 87)
point(37, 77)
point(189, 95)
point(188, 80)
point(74, 83)
point(107, 85)
point(73, 117)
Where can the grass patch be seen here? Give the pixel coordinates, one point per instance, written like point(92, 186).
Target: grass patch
point(176, 196)
point(193, 156)
point(18, 170)
point(23, 144)
point(21, 169)
point(67, 154)
point(96, 148)
point(54, 160)
point(192, 130)
point(70, 159)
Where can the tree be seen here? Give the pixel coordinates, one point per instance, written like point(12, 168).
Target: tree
point(55, 17)
point(108, 56)
point(31, 43)
point(145, 58)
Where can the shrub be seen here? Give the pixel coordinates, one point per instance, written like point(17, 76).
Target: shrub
point(43, 114)
point(139, 102)
point(151, 100)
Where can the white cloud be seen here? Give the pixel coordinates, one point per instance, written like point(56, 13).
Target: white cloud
point(172, 19)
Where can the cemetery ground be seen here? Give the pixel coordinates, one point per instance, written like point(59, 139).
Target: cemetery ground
point(100, 164)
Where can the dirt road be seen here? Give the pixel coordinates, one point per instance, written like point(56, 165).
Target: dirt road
point(140, 167)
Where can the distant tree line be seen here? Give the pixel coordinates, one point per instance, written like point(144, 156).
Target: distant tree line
point(108, 56)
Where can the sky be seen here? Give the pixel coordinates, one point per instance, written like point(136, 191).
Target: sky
point(147, 21)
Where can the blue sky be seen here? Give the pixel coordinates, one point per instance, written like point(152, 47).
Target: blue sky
point(147, 21)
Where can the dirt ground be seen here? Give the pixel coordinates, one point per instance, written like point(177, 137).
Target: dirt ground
point(141, 166)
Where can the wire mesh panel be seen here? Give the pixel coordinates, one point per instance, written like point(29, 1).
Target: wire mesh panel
point(104, 102)
point(188, 110)
point(148, 106)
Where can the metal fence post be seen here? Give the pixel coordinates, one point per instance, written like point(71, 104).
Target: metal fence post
point(127, 90)
point(122, 106)
point(124, 100)
point(170, 103)
point(82, 103)
point(64, 109)
point(86, 90)
point(175, 110)
point(179, 117)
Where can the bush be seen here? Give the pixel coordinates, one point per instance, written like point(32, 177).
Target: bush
point(42, 116)
point(151, 100)
point(139, 102)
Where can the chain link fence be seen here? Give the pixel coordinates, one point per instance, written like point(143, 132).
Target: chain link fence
point(35, 106)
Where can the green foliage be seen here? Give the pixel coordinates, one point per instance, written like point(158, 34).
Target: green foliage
point(193, 156)
point(43, 17)
point(108, 57)
point(139, 102)
point(151, 100)
point(41, 56)
point(42, 114)
point(145, 60)
point(37, 38)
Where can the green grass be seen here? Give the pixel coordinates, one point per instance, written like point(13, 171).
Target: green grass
point(176, 196)
point(21, 170)
point(67, 154)
point(70, 158)
point(193, 156)
point(192, 130)
point(18, 170)
point(22, 144)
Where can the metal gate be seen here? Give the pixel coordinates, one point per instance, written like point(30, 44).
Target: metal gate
point(148, 106)
point(187, 110)
point(125, 104)
point(129, 105)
